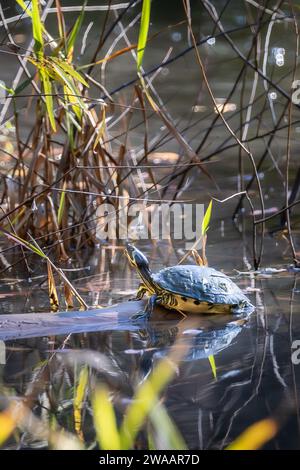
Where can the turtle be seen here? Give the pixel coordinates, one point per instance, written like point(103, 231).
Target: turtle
point(186, 288)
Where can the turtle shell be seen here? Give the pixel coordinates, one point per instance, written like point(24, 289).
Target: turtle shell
point(201, 283)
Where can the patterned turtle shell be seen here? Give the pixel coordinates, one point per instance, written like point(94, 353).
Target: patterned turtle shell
point(203, 284)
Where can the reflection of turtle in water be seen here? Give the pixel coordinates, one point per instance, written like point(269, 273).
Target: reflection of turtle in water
point(203, 342)
point(187, 288)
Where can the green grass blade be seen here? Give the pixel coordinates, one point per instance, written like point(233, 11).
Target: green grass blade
point(75, 30)
point(37, 31)
point(71, 93)
point(48, 96)
point(144, 400)
point(143, 33)
point(213, 365)
point(37, 28)
point(206, 219)
point(165, 429)
point(69, 69)
point(61, 207)
point(150, 439)
point(9, 90)
point(23, 85)
point(25, 7)
point(8, 423)
point(255, 436)
point(79, 395)
point(23, 243)
point(68, 81)
point(105, 421)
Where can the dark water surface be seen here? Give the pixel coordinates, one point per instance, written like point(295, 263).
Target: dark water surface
point(255, 375)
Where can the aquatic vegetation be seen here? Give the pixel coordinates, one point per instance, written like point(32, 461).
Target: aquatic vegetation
point(94, 398)
point(77, 150)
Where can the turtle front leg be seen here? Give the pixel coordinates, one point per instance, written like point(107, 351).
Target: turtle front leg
point(140, 293)
point(147, 312)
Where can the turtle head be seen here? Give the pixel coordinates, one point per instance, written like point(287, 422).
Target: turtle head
point(136, 258)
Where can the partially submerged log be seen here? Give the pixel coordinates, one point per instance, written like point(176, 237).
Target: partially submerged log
point(208, 334)
point(30, 325)
point(116, 317)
